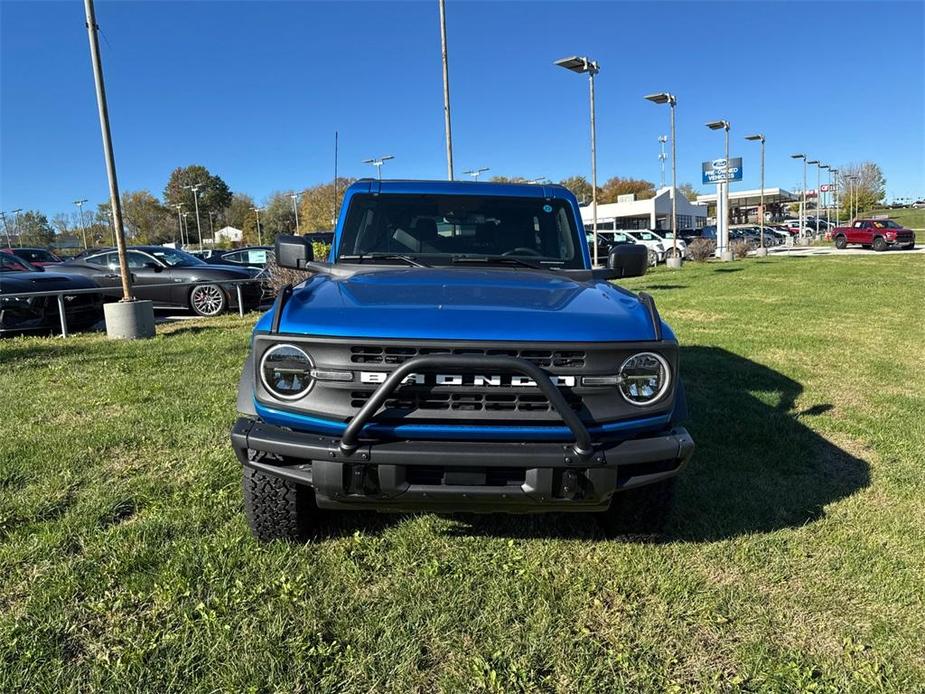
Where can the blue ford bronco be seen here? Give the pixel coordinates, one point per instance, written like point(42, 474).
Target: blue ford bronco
point(457, 352)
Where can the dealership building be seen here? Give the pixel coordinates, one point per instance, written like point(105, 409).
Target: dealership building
point(652, 213)
point(743, 204)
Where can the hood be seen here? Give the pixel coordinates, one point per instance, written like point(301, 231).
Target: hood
point(464, 304)
point(42, 282)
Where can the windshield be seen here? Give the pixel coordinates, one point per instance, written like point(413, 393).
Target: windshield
point(885, 224)
point(9, 263)
point(36, 255)
point(441, 228)
point(174, 258)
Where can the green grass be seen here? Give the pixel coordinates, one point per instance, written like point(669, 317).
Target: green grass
point(795, 560)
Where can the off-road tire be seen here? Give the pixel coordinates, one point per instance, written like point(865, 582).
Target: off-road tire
point(840, 242)
point(880, 244)
point(278, 509)
point(639, 513)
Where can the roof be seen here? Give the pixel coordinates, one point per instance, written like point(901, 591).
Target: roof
point(753, 197)
point(660, 203)
point(425, 187)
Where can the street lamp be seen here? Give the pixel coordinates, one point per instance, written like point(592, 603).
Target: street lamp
point(195, 189)
point(6, 228)
point(834, 180)
point(80, 216)
point(852, 195)
point(179, 207)
point(666, 98)
point(295, 208)
point(723, 250)
point(258, 210)
point(378, 163)
point(759, 137)
point(816, 217)
point(803, 201)
point(475, 173)
point(212, 227)
point(662, 139)
point(15, 214)
point(580, 65)
point(537, 181)
point(446, 94)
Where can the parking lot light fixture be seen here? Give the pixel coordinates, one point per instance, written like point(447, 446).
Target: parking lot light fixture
point(378, 162)
point(80, 216)
point(258, 210)
point(295, 208)
point(538, 181)
point(759, 137)
point(581, 65)
point(475, 173)
point(803, 200)
point(194, 188)
point(827, 168)
point(179, 207)
point(725, 126)
point(834, 173)
point(816, 216)
point(667, 98)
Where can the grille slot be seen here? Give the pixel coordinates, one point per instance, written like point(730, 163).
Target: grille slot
point(374, 354)
point(409, 400)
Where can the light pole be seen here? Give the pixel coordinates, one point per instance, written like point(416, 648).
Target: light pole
point(179, 207)
point(819, 195)
point(258, 210)
point(803, 201)
point(15, 214)
point(852, 195)
point(80, 216)
point(446, 93)
point(475, 173)
point(186, 224)
point(816, 216)
point(378, 163)
point(295, 208)
point(759, 137)
point(580, 65)
point(723, 246)
point(195, 190)
point(834, 173)
point(537, 181)
point(674, 261)
point(212, 227)
point(6, 228)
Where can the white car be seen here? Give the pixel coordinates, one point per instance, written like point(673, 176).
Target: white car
point(650, 240)
point(666, 238)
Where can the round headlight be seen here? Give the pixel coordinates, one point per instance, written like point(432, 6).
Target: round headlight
point(285, 371)
point(644, 378)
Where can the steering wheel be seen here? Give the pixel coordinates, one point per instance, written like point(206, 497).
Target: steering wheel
point(523, 251)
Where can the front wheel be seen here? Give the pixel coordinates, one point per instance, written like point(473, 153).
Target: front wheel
point(208, 300)
point(880, 244)
point(642, 511)
point(278, 509)
point(840, 242)
point(653, 258)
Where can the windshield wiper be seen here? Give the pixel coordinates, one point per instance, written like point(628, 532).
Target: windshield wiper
point(496, 260)
point(384, 256)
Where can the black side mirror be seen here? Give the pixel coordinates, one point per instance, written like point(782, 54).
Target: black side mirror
point(294, 252)
point(628, 260)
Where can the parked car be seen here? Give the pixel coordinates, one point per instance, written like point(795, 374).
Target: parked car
point(459, 353)
point(918, 204)
point(668, 241)
point(651, 241)
point(37, 257)
point(40, 313)
point(171, 279)
point(251, 256)
point(879, 234)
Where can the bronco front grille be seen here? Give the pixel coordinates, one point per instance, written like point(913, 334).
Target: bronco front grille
point(544, 358)
point(410, 400)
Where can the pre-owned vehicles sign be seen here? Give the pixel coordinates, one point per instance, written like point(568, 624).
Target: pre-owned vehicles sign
point(720, 170)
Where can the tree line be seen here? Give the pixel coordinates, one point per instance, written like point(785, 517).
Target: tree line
point(149, 219)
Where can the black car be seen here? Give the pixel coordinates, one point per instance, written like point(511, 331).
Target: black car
point(171, 279)
point(251, 256)
point(40, 313)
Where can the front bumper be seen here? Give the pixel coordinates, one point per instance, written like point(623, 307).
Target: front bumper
point(449, 476)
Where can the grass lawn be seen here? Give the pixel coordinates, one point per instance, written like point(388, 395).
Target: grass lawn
point(795, 560)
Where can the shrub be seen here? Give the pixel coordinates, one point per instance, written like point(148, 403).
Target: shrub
point(701, 249)
point(739, 249)
point(278, 277)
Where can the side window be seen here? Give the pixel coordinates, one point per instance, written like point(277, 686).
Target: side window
point(136, 260)
point(103, 259)
point(858, 225)
point(234, 257)
point(258, 257)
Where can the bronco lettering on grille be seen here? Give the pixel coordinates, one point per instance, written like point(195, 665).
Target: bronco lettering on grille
point(466, 380)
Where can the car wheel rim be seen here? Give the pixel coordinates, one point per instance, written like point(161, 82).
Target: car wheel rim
point(207, 300)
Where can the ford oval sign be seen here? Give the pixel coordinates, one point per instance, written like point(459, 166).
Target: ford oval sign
point(719, 164)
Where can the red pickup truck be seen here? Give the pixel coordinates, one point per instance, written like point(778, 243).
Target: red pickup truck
point(879, 234)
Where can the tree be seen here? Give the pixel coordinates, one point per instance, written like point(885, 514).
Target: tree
point(237, 211)
point(866, 191)
point(214, 195)
point(33, 229)
point(317, 207)
point(146, 220)
point(508, 179)
point(579, 186)
point(616, 186)
point(688, 191)
point(277, 216)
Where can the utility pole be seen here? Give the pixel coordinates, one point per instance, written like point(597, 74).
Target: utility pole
point(80, 216)
point(446, 93)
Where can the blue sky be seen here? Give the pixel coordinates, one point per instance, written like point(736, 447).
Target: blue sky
point(255, 90)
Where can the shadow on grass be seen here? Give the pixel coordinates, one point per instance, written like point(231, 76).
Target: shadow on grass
point(757, 467)
point(728, 269)
point(667, 286)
